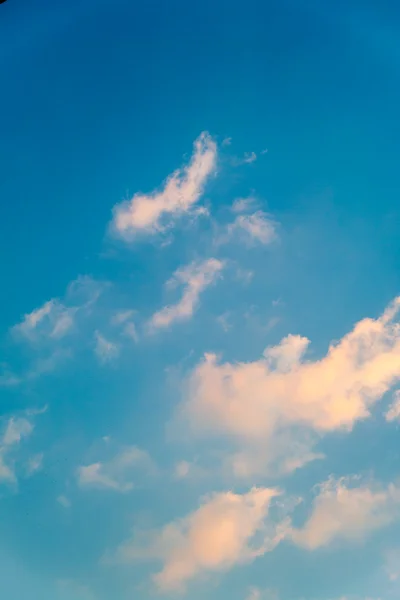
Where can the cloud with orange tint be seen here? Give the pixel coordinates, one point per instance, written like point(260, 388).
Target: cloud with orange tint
point(342, 512)
point(226, 529)
point(393, 412)
point(279, 403)
point(157, 211)
point(194, 278)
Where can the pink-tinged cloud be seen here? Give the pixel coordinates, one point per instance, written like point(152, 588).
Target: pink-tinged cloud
point(393, 412)
point(194, 278)
point(215, 537)
point(265, 403)
point(342, 511)
point(157, 211)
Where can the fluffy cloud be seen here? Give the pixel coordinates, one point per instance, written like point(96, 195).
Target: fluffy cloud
point(116, 473)
point(226, 529)
point(157, 211)
point(249, 227)
point(263, 405)
point(194, 278)
point(349, 513)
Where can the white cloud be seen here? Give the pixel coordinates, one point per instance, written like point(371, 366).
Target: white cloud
point(257, 227)
point(56, 318)
point(246, 159)
point(116, 473)
point(157, 211)
point(194, 278)
point(345, 512)
point(393, 413)
point(283, 401)
point(105, 350)
point(227, 529)
point(16, 430)
point(249, 157)
point(52, 320)
point(123, 319)
point(242, 205)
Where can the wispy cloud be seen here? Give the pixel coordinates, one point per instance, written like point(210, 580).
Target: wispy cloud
point(115, 474)
point(393, 413)
point(34, 464)
point(246, 159)
point(122, 316)
point(106, 351)
point(227, 529)
point(158, 210)
point(257, 227)
point(267, 404)
point(56, 318)
point(249, 157)
point(64, 501)
point(249, 226)
point(124, 320)
point(241, 205)
point(194, 278)
point(17, 429)
point(344, 511)
point(52, 320)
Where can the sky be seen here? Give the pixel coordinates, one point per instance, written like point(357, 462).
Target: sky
point(199, 324)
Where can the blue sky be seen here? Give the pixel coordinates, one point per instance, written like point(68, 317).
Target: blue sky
point(200, 344)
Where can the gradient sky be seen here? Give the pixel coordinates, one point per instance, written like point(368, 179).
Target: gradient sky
point(200, 342)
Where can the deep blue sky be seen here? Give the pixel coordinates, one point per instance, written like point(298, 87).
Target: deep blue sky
point(103, 100)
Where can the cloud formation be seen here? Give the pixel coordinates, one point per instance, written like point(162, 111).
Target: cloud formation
point(263, 403)
point(157, 211)
point(343, 512)
point(194, 278)
point(226, 529)
point(56, 318)
point(17, 429)
point(393, 413)
point(115, 474)
point(106, 351)
point(257, 227)
point(52, 320)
